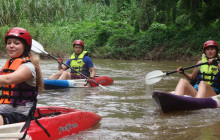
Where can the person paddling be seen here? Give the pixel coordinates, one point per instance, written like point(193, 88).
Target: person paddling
point(207, 76)
point(20, 78)
point(80, 61)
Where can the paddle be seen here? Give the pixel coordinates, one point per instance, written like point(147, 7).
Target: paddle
point(38, 48)
point(155, 76)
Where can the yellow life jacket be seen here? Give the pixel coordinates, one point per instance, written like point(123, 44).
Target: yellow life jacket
point(17, 93)
point(78, 64)
point(209, 73)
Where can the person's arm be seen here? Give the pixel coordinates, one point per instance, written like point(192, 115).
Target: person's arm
point(92, 72)
point(20, 75)
point(192, 76)
point(188, 76)
point(89, 63)
point(61, 66)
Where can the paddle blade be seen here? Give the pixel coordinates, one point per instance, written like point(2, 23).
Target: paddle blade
point(154, 77)
point(37, 47)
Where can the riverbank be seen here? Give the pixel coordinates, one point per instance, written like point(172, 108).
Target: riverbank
point(153, 57)
point(117, 40)
point(116, 29)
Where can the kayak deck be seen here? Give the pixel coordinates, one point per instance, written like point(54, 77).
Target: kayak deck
point(58, 121)
point(168, 102)
point(77, 83)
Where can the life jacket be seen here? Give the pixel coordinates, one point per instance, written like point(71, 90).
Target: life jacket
point(78, 64)
point(17, 94)
point(209, 73)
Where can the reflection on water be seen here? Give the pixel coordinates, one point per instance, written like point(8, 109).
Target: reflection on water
point(126, 107)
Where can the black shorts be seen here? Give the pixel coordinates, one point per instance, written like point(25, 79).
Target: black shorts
point(14, 117)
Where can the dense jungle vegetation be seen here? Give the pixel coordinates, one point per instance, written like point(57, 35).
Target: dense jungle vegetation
point(116, 29)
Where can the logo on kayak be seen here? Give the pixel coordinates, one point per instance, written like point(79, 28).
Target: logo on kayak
point(68, 127)
point(103, 81)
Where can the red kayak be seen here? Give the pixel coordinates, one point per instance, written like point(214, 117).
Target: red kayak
point(58, 121)
point(102, 80)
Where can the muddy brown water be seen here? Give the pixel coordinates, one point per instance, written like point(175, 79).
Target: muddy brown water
point(126, 107)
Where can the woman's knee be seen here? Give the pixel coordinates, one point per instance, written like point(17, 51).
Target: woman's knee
point(183, 81)
point(203, 84)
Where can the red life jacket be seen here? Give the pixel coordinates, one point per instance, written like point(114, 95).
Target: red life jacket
point(17, 94)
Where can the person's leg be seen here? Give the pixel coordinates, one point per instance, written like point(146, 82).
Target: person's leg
point(1, 120)
point(205, 90)
point(185, 88)
point(56, 75)
point(65, 75)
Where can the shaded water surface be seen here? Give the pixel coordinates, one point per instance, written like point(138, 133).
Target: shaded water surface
point(126, 107)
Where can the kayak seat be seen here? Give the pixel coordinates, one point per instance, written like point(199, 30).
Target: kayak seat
point(48, 115)
point(40, 115)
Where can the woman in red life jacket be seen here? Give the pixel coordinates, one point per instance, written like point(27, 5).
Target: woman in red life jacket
point(20, 78)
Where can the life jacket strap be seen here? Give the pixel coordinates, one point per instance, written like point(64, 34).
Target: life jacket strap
point(28, 122)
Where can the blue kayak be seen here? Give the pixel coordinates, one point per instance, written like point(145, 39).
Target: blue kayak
point(77, 83)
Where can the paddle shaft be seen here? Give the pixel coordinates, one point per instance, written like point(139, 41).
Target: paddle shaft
point(155, 76)
point(168, 73)
point(74, 69)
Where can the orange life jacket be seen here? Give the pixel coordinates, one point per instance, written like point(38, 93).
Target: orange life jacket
point(17, 94)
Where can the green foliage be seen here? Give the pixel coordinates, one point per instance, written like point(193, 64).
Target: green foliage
point(120, 29)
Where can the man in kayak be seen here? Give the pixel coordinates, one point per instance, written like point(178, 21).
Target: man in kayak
point(207, 76)
point(20, 78)
point(79, 61)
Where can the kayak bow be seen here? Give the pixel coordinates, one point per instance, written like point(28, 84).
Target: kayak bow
point(169, 102)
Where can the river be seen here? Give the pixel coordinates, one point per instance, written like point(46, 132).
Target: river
point(126, 107)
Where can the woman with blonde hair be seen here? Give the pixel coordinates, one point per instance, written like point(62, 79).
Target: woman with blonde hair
point(20, 78)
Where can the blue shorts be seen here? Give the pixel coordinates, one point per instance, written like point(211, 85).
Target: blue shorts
point(14, 117)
